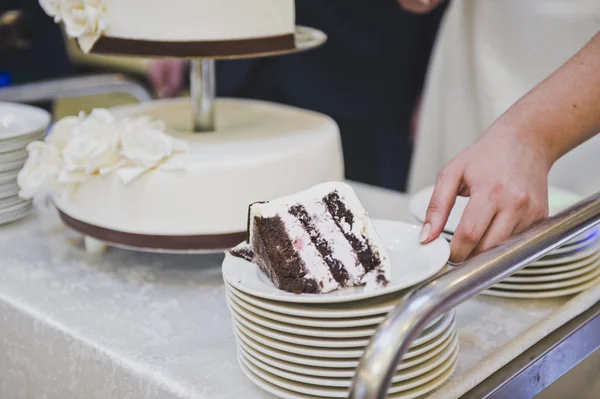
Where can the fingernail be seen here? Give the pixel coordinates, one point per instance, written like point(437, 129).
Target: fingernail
point(425, 232)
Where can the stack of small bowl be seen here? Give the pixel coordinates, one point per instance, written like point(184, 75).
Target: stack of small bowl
point(300, 346)
point(19, 126)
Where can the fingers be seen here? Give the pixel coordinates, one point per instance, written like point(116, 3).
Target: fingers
point(502, 228)
point(474, 224)
point(173, 80)
point(441, 203)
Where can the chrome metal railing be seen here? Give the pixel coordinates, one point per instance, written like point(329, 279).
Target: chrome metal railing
point(440, 294)
point(51, 90)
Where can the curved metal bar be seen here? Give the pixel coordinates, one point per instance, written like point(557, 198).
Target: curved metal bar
point(439, 295)
point(50, 90)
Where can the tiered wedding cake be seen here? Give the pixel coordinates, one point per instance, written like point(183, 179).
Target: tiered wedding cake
point(177, 27)
point(123, 177)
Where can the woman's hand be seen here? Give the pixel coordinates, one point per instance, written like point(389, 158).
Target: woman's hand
point(505, 174)
point(167, 77)
point(419, 6)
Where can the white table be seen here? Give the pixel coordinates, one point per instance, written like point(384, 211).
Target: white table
point(134, 325)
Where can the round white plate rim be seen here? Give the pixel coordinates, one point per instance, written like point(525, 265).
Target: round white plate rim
point(415, 350)
point(9, 166)
point(419, 379)
point(32, 115)
point(15, 208)
point(552, 277)
point(355, 332)
point(439, 247)
point(295, 310)
point(544, 270)
point(542, 294)
point(305, 321)
point(421, 345)
point(287, 394)
point(550, 286)
point(12, 201)
point(566, 258)
point(329, 363)
point(13, 156)
point(13, 217)
point(322, 372)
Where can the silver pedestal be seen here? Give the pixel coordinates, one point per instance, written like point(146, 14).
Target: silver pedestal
point(203, 92)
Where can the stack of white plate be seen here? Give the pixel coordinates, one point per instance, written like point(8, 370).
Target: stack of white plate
point(568, 270)
point(309, 345)
point(19, 126)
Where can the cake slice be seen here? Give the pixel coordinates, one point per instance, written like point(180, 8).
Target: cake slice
point(315, 241)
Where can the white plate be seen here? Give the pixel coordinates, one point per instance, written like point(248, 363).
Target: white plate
point(332, 364)
point(401, 390)
point(14, 216)
point(26, 205)
point(9, 177)
point(345, 333)
point(13, 156)
point(542, 294)
point(11, 166)
point(568, 257)
point(350, 347)
point(579, 246)
point(306, 321)
point(368, 307)
point(430, 365)
point(552, 277)
point(403, 370)
point(21, 143)
point(542, 270)
point(549, 286)
point(412, 263)
point(558, 199)
point(323, 353)
point(8, 190)
point(9, 202)
point(18, 120)
point(254, 311)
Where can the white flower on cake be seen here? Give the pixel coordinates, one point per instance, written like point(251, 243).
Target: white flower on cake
point(80, 148)
point(93, 144)
point(84, 20)
point(40, 173)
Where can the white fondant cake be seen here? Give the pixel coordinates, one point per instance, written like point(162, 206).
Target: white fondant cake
point(315, 241)
point(128, 26)
point(259, 150)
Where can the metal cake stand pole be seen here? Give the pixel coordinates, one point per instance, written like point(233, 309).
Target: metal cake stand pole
point(203, 93)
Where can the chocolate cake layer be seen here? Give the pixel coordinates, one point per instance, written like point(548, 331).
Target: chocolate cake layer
point(277, 258)
point(340, 274)
point(341, 214)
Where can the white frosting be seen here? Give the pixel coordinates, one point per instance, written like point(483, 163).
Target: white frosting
point(254, 155)
point(175, 20)
point(80, 148)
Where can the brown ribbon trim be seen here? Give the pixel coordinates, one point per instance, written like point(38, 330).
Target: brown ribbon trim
point(164, 242)
point(216, 48)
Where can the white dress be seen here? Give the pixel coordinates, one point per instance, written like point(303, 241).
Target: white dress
point(490, 53)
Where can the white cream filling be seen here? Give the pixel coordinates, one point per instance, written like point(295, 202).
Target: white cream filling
point(339, 246)
point(315, 266)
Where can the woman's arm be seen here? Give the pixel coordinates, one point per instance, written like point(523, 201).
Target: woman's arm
point(505, 172)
